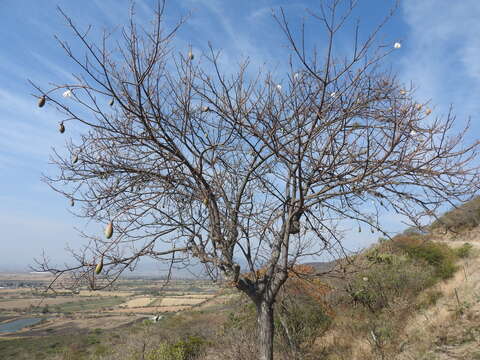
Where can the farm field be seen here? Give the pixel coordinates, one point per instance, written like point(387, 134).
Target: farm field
point(63, 312)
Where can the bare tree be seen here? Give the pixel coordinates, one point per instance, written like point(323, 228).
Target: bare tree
point(246, 174)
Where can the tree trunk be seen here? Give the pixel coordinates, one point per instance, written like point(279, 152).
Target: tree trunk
point(265, 330)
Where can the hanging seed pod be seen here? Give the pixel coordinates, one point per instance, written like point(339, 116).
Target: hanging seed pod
point(428, 112)
point(72, 202)
point(359, 229)
point(99, 267)
point(295, 227)
point(205, 201)
point(372, 231)
point(418, 107)
point(403, 92)
point(61, 128)
point(75, 159)
point(41, 101)
point(205, 109)
point(190, 55)
point(109, 230)
point(112, 101)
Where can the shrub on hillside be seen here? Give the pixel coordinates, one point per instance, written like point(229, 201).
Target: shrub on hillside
point(386, 281)
point(464, 217)
point(186, 349)
point(464, 251)
point(299, 322)
point(438, 255)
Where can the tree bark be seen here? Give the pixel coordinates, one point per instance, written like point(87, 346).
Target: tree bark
point(265, 330)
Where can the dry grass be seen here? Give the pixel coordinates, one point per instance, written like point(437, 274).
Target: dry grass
point(449, 329)
point(14, 291)
point(221, 299)
point(138, 302)
point(151, 309)
point(465, 217)
point(196, 296)
point(90, 293)
point(26, 303)
point(414, 326)
point(176, 301)
point(26, 276)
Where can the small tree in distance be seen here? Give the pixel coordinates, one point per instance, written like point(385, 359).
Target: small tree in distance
point(244, 173)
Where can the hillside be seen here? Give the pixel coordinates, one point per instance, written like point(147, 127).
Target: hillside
point(450, 329)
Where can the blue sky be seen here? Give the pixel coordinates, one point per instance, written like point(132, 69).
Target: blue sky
point(439, 54)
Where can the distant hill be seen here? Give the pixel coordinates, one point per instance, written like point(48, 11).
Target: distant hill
point(322, 266)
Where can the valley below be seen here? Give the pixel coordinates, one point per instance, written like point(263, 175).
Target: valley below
point(27, 310)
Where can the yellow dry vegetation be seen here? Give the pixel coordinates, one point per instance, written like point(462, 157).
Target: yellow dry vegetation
point(219, 300)
point(61, 324)
point(199, 296)
point(26, 303)
point(177, 301)
point(13, 291)
point(138, 302)
point(444, 331)
point(105, 293)
point(151, 309)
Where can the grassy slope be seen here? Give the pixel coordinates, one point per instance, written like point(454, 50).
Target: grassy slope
point(450, 329)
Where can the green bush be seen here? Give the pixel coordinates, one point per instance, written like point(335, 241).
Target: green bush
point(244, 317)
point(438, 255)
point(299, 321)
point(386, 281)
point(186, 349)
point(464, 251)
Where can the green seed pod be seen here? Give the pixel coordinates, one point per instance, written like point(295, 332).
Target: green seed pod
point(75, 159)
point(112, 101)
point(61, 128)
point(99, 267)
point(41, 101)
point(109, 230)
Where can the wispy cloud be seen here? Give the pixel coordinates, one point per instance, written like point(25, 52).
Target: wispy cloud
point(442, 53)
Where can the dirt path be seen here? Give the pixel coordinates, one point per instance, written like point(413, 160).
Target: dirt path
point(451, 328)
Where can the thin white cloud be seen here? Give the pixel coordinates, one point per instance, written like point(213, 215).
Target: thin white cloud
point(442, 52)
point(52, 68)
point(27, 132)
